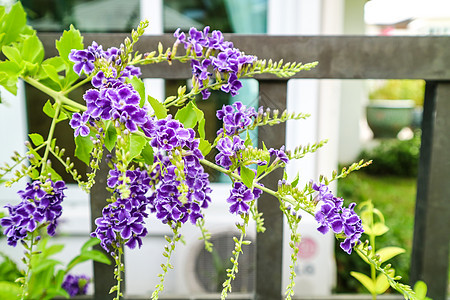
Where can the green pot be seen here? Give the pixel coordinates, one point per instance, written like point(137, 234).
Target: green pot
point(387, 117)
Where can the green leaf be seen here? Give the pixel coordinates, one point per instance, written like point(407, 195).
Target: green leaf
point(59, 278)
point(138, 85)
point(83, 148)
point(51, 72)
point(14, 24)
point(96, 255)
point(12, 53)
point(53, 249)
point(261, 169)
point(54, 175)
point(147, 154)
point(158, 107)
point(9, 74)
point(187, 116)
point(248, 140)
point(365, 281)
point(71, 39)
point(9, 290)
point(190, 115)
point(201, 127)
point(57, 62)
point(204, 146)
point(89, 244)
point(48, 109)
point(88, 255)
point(110, 137)
point(389, 252)
point(295, 181)
point(137, 143)
point(36, 138)
point(32, 49)
point(382, 284)
point(247, 176)
point(420, 288)
point(45, 264)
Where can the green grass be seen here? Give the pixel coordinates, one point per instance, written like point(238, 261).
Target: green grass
point(395, 198)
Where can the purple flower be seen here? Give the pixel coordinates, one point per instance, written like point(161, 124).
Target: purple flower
point(228, 150)
point(280, 155)
point(232, 86)
point(235, 117)
point(170, 134)
point(38, 206)
point(83, 59)
point(200, 69)
point(332, 215)
point(75, 284)
point(197, 40)
point(78, 122)
point(240, 196)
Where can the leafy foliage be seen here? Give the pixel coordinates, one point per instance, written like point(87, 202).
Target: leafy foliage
point(395, 157)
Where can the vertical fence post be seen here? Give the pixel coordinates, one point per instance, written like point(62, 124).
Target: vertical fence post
point(269, 245)
point(103, 274)
point(429, 260)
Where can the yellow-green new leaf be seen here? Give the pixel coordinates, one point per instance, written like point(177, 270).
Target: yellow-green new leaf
point(380, 229)
point(12, 53)
point(389, 252)
point(13, 24)
point(365, 281)
point(382, 284)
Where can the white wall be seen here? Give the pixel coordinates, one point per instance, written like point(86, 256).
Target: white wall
point(320, 98)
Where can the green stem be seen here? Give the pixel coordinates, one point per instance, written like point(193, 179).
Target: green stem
point(58, 96)
point(50, 137)
point(27, 274)
point(373, 271)
point(119, 272)
point(73, 87)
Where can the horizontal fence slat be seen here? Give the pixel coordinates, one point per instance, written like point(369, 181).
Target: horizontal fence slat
point(339, 57)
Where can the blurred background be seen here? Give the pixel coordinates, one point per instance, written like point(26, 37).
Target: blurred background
point(368, 119)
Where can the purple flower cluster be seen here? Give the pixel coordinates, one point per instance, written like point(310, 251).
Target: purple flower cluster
point(114, 101)
point(235, 118)
point(85, 61)
point(112, 98)
point(76, 284)
point(176, 200)
point(125, 216)
point(240, 196)
point(228, 60)
point(39, 205)
point(340, 219)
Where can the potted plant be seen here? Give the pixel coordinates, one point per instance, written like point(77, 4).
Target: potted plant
point(394, 105)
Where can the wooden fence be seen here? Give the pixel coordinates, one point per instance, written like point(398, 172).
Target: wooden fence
point(340, 57)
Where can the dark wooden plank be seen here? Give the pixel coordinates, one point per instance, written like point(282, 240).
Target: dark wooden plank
point(340, 57)
point(430, 253)
point(269, 244)
point(103, 274)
